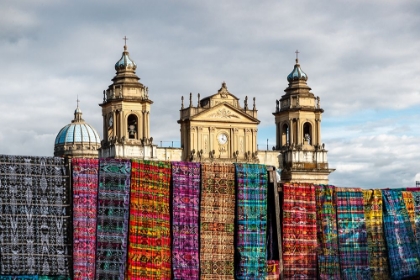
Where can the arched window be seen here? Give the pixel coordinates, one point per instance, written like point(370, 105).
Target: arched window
point(285, 136)
point(307, 133)
point(132, 125)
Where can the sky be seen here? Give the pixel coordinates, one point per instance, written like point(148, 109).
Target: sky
point(361, 57)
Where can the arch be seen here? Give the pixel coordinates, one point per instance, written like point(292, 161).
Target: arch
point(285, 135)
point(133, 126)
point(307, 133)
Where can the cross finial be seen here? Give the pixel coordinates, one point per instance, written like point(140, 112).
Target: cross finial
point(297, 56)
point(125, 41)
point(77, 101)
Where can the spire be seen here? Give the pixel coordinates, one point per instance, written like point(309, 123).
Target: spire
point(297, 73)
point(77, 113)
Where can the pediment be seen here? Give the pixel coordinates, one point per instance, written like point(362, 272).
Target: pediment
point(224, 112)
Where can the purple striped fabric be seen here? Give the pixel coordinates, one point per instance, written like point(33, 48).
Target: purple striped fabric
point(185, 220)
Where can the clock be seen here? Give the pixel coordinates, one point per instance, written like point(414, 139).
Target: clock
point(110, 121)
point(222, 138)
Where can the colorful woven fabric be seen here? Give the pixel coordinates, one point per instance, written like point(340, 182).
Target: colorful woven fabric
point(299, 232)
point(185, 220)
point(378, 258)
point(20, 277)
point(409, 205)
point(328, 263)
point(273, 272)
point(416, 199)
point(401, 244)
point(34, 216)
point(217, 219)
point(112, 220)
point(85, 194)
point(149, 249)
point(352, 235)
point(251, 211)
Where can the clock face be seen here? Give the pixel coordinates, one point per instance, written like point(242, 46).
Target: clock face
point(222, 138)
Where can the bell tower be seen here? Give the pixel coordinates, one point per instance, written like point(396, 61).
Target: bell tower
point(126, 114)
point(298, 115)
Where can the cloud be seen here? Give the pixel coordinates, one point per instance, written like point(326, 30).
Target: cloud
point(361, 59)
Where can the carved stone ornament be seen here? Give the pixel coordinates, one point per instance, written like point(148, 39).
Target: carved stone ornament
point(223, 114)
point(223, 91)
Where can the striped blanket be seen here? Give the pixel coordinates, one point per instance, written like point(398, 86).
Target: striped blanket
point(112, 219)
point(328, 256)
point(402, 250)
point(85, 194)
point(185, 220)
point(378, 258)
point(251, 209)
point(217, 219)
point(149, 249)
point(352, 235)
point(299, 231)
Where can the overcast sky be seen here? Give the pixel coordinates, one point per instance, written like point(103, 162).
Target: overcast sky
point(361, 57)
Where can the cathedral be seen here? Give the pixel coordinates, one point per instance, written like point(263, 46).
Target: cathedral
point(216, 128)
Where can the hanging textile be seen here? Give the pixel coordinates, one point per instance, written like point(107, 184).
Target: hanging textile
point(185, 220)
point(112, 220)
point(416, 199)
point(217, 219)
point(299, 231)
point(328, 260)
point(149, 247)
point(352, 235)
point(401, 244)
point(409, 205)
point(34, 216)
point(378, 258)
point(273, 272)
point(85, 194)
point(251, 211)
point(20, 277)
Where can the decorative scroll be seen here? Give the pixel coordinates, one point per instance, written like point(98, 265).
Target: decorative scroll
point(34, 216)
point(251, 211)
point(299, 231)
point(217, 219)
point(112, 220)
point(85, 194)
point(352, 235)
point(378, 258)
point(185, 220)
point(402, 248)
point(149, 249)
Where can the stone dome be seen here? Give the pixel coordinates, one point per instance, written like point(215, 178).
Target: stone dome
point(77, 138)
point(297, 73)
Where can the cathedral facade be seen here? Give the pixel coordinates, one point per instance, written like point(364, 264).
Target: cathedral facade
point(216, 128)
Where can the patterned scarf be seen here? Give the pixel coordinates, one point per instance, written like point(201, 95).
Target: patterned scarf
point(328, 257)
point(85, 194)
point(217, 219)
point(149, 250)
point(251, 209)
point(299, 231)
point(185, 220)
point(409, 205)
point(402, 250)
point(34, 216)
point(378, 258)
point(112, 224)
point(352, 235)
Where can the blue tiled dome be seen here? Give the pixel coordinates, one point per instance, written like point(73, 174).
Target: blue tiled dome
point(297, 73)
point(125, 61)
point(77, 133)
